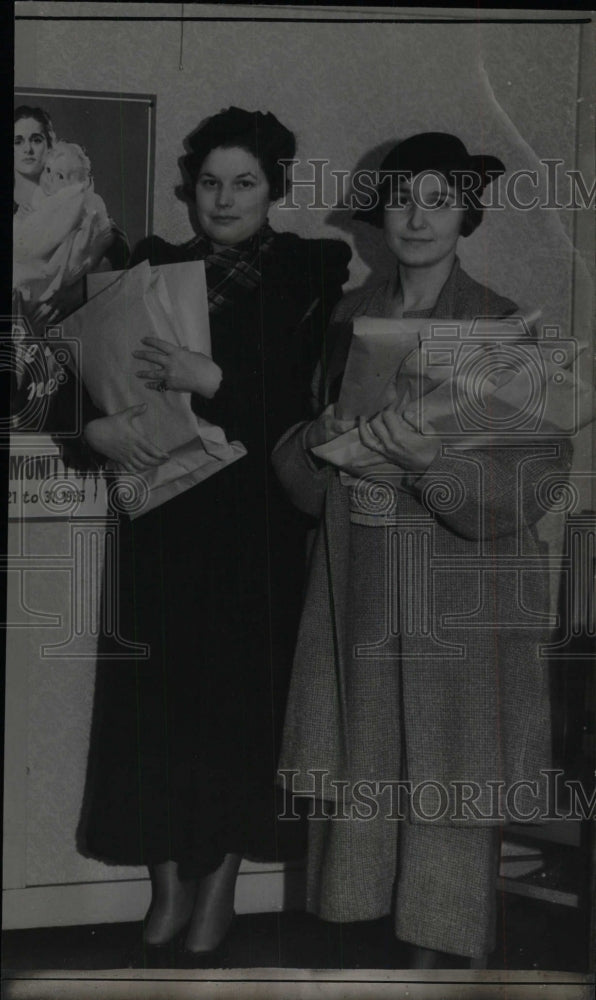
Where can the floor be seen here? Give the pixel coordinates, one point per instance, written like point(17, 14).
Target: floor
point(532, 935)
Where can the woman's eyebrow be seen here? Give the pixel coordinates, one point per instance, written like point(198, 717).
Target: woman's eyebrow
point(238, 177)
point(34, 135)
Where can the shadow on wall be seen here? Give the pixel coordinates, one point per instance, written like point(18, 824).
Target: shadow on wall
point(369, 241)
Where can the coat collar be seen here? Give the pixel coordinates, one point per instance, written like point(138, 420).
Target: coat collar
point(443, 307)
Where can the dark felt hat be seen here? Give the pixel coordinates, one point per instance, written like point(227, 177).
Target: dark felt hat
point(439, 152)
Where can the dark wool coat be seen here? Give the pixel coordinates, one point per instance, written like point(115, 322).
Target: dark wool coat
point(445, 682)
point(184, 744)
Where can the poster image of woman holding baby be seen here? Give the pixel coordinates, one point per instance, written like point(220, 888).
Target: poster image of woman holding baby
point(61, 227)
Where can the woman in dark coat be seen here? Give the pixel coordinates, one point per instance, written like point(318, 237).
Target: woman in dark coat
point(418, 651)
point(184, 744)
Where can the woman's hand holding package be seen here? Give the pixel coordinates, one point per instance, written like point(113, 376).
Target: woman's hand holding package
point(326, 427)
point(178, 368)
point(118, 439)
point(389, 434)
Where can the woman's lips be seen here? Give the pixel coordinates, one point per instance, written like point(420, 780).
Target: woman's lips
point(222, 219)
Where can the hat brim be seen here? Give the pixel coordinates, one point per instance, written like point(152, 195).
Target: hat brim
point(487, 168)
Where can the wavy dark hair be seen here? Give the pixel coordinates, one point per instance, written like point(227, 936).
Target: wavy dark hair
point(40, 116)
point(260, 134)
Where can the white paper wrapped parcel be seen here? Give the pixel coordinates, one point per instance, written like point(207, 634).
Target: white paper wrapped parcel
point(170, 302)
point(470, 383)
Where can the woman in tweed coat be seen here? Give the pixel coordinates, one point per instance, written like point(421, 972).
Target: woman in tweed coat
point(418, 651)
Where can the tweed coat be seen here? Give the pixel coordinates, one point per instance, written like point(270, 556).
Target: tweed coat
point(446, 684)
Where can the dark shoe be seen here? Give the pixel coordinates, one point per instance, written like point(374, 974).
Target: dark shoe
point(214, 958)
point(428, 958)
point(157, 956)
point(425, 958)
point(154, 956)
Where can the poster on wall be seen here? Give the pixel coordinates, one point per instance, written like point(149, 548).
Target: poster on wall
point(369, 772)
point(65, 141)
point(117, 133)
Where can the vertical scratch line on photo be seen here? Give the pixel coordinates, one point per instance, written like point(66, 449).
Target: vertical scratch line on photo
point(150, 154)
point(180, 64)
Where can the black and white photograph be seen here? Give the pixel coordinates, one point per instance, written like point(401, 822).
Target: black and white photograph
point(300, 688)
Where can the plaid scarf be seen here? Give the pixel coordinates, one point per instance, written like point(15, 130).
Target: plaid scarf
point(236, 267)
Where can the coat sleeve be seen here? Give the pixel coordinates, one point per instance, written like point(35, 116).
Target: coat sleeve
point(320, 270)
point(328, 262)
point(304, 482)
point(153, 249)
point(304, 478)
point(490, 493)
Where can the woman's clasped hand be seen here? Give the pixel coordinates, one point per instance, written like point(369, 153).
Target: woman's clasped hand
point(326, 427)
point(117, 437)
point(388, 436)
point(397, 440)
point(178, 368)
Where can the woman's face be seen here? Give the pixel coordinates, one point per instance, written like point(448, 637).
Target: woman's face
point(30, 147)
point(232, 196)
point(423, 222)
